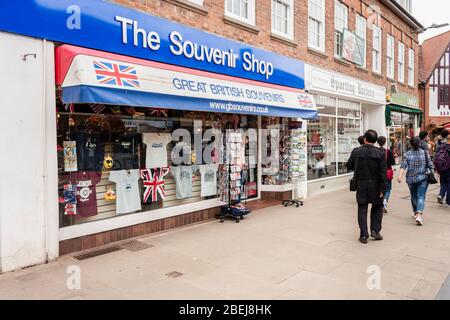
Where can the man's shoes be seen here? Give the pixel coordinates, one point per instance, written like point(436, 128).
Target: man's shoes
point(385, 210)
point(376, 235)
point(439, 200)
point(363, 239)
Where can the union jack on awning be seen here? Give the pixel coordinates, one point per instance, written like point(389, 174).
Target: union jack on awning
point(116, 74)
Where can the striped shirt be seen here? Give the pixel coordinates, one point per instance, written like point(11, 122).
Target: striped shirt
point(415, 164)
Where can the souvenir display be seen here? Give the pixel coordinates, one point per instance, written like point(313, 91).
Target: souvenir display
point(121, 160)
point(153, 182)
point(110, 194)
point(85, 182)
point(70, 156)
point(108, 162)
point(156, 149)
point(70, 199)
point(127, 190)
point(209, 179)
point(183, 179)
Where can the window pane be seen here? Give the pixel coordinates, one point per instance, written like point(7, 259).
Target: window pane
point(348, 109)
point(321, 148)
point(348, 132)
point(325, 105)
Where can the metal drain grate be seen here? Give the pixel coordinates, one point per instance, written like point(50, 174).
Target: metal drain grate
point(174, 274)
point(135, 245)
point(96, 253)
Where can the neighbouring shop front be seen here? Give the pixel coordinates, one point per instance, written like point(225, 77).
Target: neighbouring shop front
point(404, 120)
point(346, 108)
point(132, 144)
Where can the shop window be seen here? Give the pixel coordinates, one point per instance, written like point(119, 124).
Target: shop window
point(284, 150)
point(325, 104)
point(115, 160)
point(321, 148)
point(243, 10)
point(348, 108)
point(348, 131)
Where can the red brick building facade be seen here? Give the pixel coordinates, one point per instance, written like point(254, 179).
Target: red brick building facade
point(210, 17)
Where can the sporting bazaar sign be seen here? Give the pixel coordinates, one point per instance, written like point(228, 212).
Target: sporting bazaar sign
point(113, 28)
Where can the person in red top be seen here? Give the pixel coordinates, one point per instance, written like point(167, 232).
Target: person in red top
point(390, 161)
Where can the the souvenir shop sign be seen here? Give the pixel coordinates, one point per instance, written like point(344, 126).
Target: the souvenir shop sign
point(338, 84)
point(105, 26)
point(97, 77)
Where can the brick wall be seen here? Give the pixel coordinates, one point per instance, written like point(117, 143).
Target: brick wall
point(212, 20)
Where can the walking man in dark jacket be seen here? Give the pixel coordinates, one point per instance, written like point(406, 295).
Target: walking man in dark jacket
point(369, 164)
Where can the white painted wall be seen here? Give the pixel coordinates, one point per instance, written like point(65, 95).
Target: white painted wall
point(28, 168)
point(375, 117)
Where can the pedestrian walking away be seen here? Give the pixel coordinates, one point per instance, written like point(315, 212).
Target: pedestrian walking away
point(416, 164)
point(369, 165)
point(442, 165)
point(390, 161)
point(424, 138)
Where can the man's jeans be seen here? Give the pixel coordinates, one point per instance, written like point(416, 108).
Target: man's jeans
point(418, 192)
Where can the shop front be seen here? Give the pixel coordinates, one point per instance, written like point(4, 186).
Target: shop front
point(346, 108)
point(404, 120)
point(130, 144)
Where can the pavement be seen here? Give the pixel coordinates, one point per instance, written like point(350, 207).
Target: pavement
point(311, 252)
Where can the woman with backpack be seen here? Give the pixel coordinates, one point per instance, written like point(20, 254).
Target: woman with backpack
point(416, 164)
point(390, 161)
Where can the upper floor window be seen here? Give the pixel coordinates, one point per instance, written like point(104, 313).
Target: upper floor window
point(340, 24)
point(199, 2)
point(361, 33)
point(283, 18)
point(316, 24)
point(390, 52)
point(401, 62)
point(376, 56)
point(243, 10)
point(407, 4)
point(443, 95)
point(411, 67)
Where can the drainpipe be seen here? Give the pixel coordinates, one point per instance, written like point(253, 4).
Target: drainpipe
point(423, 86)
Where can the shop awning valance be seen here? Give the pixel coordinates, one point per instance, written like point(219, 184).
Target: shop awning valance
point(89, 76)
point(402, 109)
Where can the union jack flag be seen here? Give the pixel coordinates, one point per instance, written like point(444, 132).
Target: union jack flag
point(116, 74)
point(69, 107)
point(96, 107)
point(153, 181)
point(159, 112)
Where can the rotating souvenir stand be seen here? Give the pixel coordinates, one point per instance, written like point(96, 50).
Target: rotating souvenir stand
point(296, 162)
point(231, 179)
